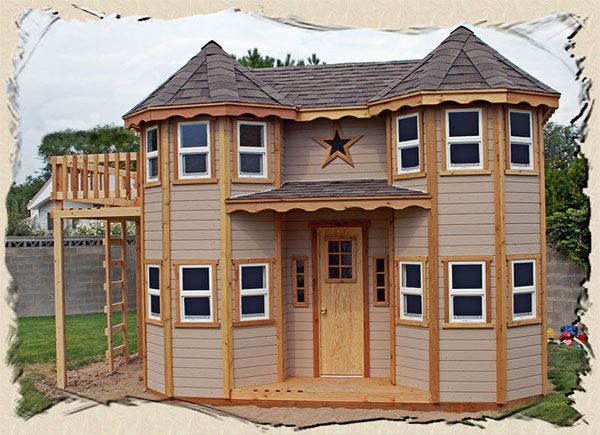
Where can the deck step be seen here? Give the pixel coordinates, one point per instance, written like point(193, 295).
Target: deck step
point(114, 307)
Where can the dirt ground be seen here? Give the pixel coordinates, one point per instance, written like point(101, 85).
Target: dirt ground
point(95, 382)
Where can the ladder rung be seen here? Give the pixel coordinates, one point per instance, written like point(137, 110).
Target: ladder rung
point(115, 284)
point(113, 263)
point(117, 350)
point(113, 241)
point(115, 307)
point(115, 329)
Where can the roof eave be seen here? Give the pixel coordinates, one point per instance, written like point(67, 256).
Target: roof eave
point(225, 108)
point(464, 96)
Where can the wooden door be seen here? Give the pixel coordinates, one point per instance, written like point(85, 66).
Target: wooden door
point(341, 317)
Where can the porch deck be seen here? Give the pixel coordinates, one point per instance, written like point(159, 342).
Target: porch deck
point(333, 389)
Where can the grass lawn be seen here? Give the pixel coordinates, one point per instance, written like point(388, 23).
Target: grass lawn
point(34, 353)
point(564, 368)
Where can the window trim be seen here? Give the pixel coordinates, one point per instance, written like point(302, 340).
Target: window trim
point(294, 275)
point(147, 292)
point(269, 308)
point(148, 182)
point(213, 322)
point(386, 285)
point(536, 319)
point(534, 129)
point(210, 176)
point(237, 149)
point(486, 322)
point(398, 173)
point(423, 260)
point(482, 168)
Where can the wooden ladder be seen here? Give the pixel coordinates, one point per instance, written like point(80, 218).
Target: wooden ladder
point(109, 286)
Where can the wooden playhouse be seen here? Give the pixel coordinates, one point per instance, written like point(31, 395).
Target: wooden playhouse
point(359, 234)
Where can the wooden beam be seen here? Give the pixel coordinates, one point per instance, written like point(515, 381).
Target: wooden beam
point(498, 128)
point(279, 297)
point(365, 274)
point(225, 263)
point(131, 213)
point(543, 258)
point(433, 254)
point(315, 302)
point(389, 147)
point(59, 303)
point(392, 292)
point(165, 151)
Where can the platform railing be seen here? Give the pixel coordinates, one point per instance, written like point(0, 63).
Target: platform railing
point(105, 179)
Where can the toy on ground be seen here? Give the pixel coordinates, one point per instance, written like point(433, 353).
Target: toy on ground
point(550, 334)
point(567, 335)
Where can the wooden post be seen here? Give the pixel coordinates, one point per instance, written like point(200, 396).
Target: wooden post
point(165, 150)
point(59, 301)
point(543, 258)
point(139, 296)
point(392, 292)
point(277, 181)
point(279, 297)
point(433, 255)
point(498, 127)
point(225, 263)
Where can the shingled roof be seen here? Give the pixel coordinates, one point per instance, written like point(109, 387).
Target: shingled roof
point(212, 76)
point(340, 188)
point(462, 61)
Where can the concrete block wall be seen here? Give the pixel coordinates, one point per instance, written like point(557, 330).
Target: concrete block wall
point(32, 270)
point(564, 289)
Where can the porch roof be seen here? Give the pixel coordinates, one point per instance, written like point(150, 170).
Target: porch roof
point(367, 194)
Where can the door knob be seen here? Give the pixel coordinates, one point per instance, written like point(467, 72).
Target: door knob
point(324, 310)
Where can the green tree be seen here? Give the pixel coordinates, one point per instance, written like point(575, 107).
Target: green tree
point(256, 60)
point(567, 207)
point(98, 140)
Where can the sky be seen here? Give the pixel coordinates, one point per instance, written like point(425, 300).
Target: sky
point(75, 74)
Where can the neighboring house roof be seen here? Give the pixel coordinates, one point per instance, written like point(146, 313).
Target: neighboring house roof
point(462, 61)
point(342, 188)
point(42, 196)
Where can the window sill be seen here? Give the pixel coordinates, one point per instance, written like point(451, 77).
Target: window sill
point(197, 324)
point(254, 322)
point(521, 172)
point(381, 304)
point(512, 323)
point(152, 184)
point(420, 174)
point(194, 181)
point(252, 180)
point(406, 322)
point(466, 172)
point(154, 322)
point(300, 304)
point(464, 325)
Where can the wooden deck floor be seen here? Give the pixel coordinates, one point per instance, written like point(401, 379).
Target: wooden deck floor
point(369, 390)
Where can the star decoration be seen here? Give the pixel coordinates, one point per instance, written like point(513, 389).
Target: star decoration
point(337, 145)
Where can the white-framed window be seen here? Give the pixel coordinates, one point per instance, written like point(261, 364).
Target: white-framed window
point(521, 139)
point(153, 280)
point(467, 289)
point(464, 143)
point(408, 153)
point(254, 291)
point(523, 289)
point(152, 154)
point(193, 149)
point(411, 290)
point(196, 293)
point(252, 149)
